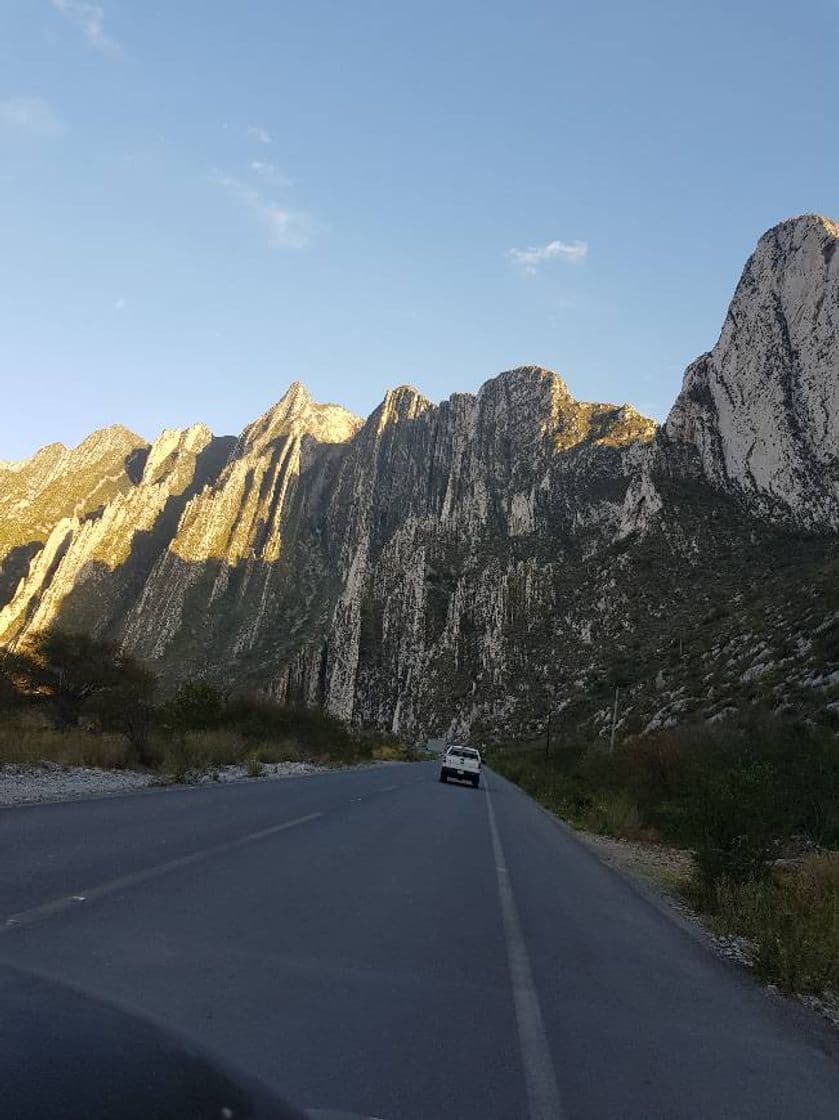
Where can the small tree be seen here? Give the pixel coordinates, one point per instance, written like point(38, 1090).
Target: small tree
point(128, 706)
point(70, 669)
point(16, 676)
point(733, 816)
point(196, 706)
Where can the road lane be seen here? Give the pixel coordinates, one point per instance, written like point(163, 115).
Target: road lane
point(341, 960)
point(644, 1020)
point(48, 850)
point(361, 960)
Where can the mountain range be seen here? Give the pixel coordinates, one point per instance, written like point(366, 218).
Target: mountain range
point(468, 566)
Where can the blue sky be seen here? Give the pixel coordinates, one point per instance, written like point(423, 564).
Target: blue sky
point(202, 201)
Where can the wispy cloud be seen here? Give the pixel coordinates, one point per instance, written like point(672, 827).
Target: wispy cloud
point(259, 134)
point(90, 20)
point(119, 304)
point(30, 114)
point(271, 173)
point(287, 228)
point(573, 252)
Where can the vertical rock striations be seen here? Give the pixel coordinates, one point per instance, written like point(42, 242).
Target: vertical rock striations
point(762, 408)
point(448, 566)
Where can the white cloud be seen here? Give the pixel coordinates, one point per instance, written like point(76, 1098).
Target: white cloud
point(271, 173)
point(31, 114)
point(259, 134)
point(574, 252)
point(287, 228)
point(90, 19)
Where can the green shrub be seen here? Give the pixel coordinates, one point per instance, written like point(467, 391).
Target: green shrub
point(196, 706)
point(176, 762)
point(792, 920)
point(316, 732)
point(615, 814)
point(732, 821)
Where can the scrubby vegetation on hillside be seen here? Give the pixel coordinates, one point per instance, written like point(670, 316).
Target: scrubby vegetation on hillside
point(69, 699)
point(755, 800)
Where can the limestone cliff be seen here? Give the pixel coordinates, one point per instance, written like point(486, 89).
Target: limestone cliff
point(465, 566)
point(762, 408)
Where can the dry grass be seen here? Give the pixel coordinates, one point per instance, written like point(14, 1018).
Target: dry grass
point(28, 740)
point(792, 920)
point(616, 814)
point(199, 752)
point(389, 753)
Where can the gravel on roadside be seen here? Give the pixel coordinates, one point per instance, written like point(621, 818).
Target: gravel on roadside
point(48, 781)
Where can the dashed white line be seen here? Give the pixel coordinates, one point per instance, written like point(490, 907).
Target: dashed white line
point(57, 905)
point(537, 1064)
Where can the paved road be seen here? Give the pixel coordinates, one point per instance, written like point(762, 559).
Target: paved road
point(378, 942)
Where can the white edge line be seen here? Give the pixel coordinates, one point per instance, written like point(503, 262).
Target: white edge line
point(537, 1064)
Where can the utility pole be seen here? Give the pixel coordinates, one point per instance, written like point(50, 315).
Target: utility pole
point(614, 722)
point(548, 736)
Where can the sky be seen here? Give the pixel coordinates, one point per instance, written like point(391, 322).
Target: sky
point(202, 201)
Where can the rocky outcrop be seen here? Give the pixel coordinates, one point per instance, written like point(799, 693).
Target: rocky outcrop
point(459, 566)
point(762, 408)
point(94, 559)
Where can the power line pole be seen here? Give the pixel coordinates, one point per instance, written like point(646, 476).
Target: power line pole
point(614, 722)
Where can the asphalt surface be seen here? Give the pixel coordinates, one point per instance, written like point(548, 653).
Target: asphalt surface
point(377, 942)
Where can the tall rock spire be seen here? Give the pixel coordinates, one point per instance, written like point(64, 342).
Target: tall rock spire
point(762, 408)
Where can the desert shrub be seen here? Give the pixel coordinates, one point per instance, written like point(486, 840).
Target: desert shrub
point(389, 752)
point(217, 747)
point(314, 731)
point(615, 814)
point(792, 921)
point(278, 750)
point(806, 762)
point(69, 670)
point(196, 706)
point(652, 769)
point(253, 765)
point(731, 819)
point(127, 706)
point(184, 757)
point(16, 672)
point(175, 763)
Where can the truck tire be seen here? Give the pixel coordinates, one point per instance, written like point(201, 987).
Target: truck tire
point(476, 782)
point(443, 777)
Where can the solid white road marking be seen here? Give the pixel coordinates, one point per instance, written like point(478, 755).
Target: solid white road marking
point(537, 1064)
point(57, 905)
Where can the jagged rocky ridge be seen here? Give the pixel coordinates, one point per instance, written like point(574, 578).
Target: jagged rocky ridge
point(464, 566)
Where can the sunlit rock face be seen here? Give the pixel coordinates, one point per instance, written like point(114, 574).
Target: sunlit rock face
point(94, 559)
point(762, 408)
point(452, 568)
point(58, 483)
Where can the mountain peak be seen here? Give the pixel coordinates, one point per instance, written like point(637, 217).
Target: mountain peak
point(762, 408)
point(803, 223)
point(295, 413)
point(526, 377)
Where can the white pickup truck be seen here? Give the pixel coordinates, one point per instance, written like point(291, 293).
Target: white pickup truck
point(461, 763)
